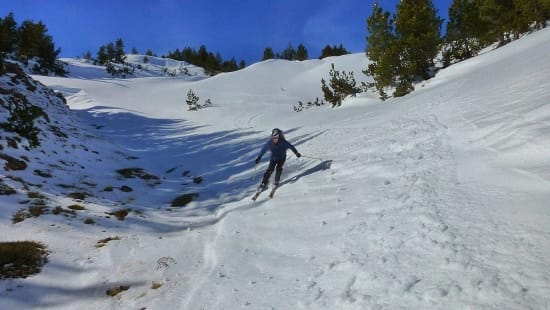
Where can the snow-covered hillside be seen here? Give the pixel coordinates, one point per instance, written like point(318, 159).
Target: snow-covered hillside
point(436, 200)
point(141, 66)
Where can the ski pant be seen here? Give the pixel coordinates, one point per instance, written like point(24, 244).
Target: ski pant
point(276, 165)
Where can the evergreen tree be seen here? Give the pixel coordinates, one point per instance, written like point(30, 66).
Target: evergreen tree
point(120, 55)
point(301, 53)
point(497, 18)
point(192, 100)
point(149, 52)
point(418, 31)
point(463, 30)
point(8, 34)
point(33, 41)
point(340, 86)
point(268, 54)
point(382, 50)
point(329, 51)
point(289, 53)
point(134, 51)
point(102, 57)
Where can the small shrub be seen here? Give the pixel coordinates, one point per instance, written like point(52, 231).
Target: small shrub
point(38, 210)
point(78, 195)
point(103, 242)
point(340, 86)
point(21, 259)
point(126, 189)
point(156, 285)
point(6, 190)
point(43, 174)
point(197, 180)
point(192, 100)
point(120, 214)
point(13, 163)
point(130, 173)
point(184, 199)
point(89, 221)
point(117, 290)
point(76, 207)
point(35, 195)
point(19, 216)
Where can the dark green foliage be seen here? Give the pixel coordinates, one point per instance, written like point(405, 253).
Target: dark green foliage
point(301, 53)
point(329, 51)
point(184, 199)
point(418, 31)
point(463, 30)
point(289, 53)
point(402, 49)
point(21, 259)
point(340, 86)
point(28, 41)
point(212, 63)
point(22, 117)
point(113, 57)
point(8, 34)
point(382, 50)
point(268, 54)
point(192, 100)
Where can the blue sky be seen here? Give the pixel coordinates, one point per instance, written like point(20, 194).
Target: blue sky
point(240, 29)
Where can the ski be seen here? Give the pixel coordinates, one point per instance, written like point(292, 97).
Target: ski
point(258, 192)
point(273, 191)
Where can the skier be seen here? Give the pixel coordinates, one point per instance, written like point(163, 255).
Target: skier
point(278, 146)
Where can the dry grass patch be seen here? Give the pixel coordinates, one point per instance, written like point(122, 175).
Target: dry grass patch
point(21, 259)
point(103, 242)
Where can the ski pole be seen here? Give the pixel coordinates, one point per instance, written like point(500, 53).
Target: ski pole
point(312, 157)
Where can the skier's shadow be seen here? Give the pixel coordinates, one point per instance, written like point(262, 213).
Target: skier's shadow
point(324, 165)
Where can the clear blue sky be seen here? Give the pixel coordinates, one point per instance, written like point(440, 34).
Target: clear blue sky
point(240, 29)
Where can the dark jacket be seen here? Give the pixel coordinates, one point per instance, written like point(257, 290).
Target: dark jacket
point(278, 150)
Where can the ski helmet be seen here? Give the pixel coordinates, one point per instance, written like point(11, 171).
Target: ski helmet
point(276, 132)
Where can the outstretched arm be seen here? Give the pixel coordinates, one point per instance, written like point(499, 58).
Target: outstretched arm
point(293, 149)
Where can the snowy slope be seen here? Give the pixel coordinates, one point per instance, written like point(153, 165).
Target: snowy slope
point(437, 200)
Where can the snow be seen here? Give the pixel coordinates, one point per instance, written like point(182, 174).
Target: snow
point(436, 200)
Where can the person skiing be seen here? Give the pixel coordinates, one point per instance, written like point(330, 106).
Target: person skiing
point(278, 145)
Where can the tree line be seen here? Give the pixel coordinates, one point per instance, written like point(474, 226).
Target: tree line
point(402, 47)
point(301, 53)
point(28, 41)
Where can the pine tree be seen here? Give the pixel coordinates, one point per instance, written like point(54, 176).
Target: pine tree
point(301, 53)
point(418, 31)
point(340, 86)
point(192, 100)
point(8, 34)
point(463, 30)
point(382, 50)
point(119, 54)
point(268, 54)
point(289, 53)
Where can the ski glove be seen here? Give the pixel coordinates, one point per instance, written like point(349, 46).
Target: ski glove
point(257, 160)
point(298, 155)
